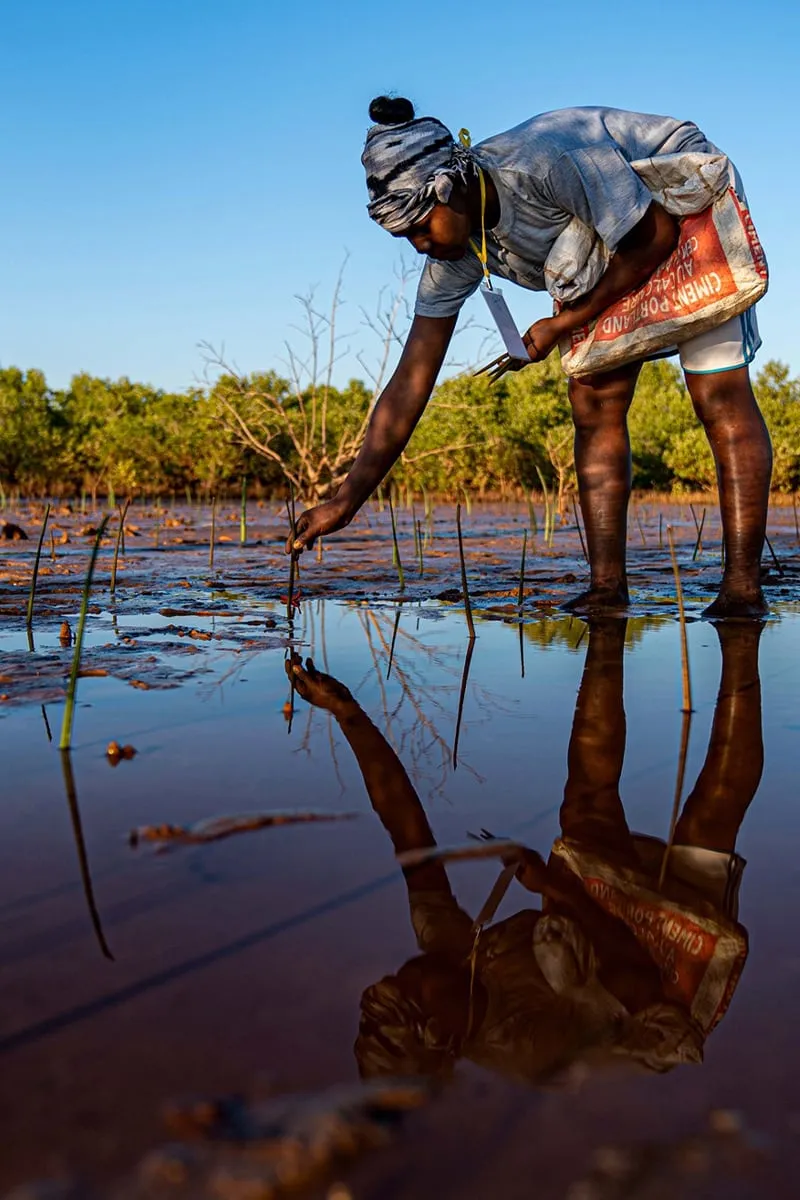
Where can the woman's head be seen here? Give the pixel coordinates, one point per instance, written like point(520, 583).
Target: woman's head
point(416, 178)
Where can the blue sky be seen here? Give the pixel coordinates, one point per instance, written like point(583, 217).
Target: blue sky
point(178, 170)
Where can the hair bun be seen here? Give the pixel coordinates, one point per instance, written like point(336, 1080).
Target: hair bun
point(391, 110)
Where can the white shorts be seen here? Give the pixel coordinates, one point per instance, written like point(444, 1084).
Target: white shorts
point(731, 345)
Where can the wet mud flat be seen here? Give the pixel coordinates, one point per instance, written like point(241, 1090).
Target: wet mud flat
point(284, 1007)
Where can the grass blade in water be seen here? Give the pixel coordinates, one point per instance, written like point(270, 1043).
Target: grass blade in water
point(72, 686)
point(243, 517)
point(35, 575)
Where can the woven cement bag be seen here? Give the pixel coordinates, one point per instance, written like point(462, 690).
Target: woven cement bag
point(698, 950)
point(717, 271)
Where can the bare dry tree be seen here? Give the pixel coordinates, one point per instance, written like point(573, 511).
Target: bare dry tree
point(304, 425)
point(560, 445)
point(293, 426)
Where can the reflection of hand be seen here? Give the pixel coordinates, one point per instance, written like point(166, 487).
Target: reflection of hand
point(323, 691)
point(532, 872)
point(314, 522)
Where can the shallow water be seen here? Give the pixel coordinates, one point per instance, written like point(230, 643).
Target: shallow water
point(241, 966)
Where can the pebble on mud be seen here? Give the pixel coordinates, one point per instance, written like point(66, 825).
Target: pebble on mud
point(115, 753)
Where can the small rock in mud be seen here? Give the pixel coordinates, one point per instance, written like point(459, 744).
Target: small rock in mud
point(10, 532)
point(115, 753)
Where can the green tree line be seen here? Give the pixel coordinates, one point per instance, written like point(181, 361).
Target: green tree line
point(126, 439)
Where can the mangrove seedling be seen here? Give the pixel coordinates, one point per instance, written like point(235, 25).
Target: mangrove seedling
point(123, 512)
point(396, 560)
point(464, 583)
point(72, 685)
point(698, 546)
point(35, 575)
point(521, 593)
point(685, 675)
point(213, 532)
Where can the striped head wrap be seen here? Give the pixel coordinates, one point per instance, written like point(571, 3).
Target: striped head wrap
point(410, 168)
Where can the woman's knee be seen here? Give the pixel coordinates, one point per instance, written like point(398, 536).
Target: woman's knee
point(602, 401)
point(725, 397)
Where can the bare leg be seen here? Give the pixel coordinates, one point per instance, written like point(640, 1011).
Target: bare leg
point(600, 406)
point(592, 811)
point(732, 771)
point(727, 408)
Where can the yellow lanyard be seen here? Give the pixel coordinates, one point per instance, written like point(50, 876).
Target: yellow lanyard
point(480, 251)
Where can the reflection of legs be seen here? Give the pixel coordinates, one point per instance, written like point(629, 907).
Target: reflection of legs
point(732, 771)
point(727, 408)
point(600, 406)
point(592, 811)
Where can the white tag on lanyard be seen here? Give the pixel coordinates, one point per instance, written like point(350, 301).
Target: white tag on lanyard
point(504, 322)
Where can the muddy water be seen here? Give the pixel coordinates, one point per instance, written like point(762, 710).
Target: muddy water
point(248, 965)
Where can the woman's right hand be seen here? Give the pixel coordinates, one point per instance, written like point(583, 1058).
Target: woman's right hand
point(314, 522)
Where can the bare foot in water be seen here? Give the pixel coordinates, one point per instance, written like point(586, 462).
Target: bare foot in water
point(732, 605)
point(597, 600)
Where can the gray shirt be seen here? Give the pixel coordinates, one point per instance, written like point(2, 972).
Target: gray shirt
point(574, 162)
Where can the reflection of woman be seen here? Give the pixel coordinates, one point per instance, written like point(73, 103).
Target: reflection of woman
point(501, 206)
point(615, 964)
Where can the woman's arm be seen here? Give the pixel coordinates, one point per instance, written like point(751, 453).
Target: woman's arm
point(640, 252)
point(393, 420)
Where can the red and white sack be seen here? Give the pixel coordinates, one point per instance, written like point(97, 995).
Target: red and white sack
point(717, 271)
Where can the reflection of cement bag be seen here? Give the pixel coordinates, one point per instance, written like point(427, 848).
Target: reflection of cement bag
point(698, 950)
point(717, 271)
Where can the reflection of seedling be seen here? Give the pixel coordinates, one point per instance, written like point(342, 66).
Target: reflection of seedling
point(72, 686)
point(80, 845)
point(35, 576)
point(464, 584)
point(461, 695)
